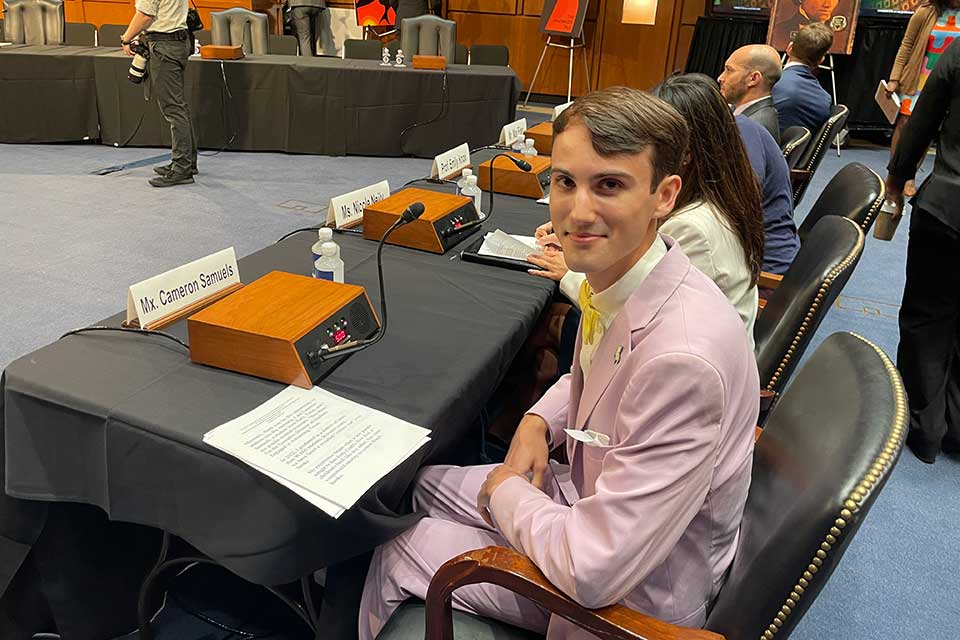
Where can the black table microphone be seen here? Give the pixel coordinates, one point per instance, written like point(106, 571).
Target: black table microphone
point(411, 213)
point(523, 165)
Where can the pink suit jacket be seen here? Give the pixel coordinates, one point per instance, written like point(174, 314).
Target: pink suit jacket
point(655, 520)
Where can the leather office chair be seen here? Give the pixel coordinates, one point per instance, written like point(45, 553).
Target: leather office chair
point(856, 192)
point(362, 49)
point(794, 311)
point(490, 54)
point(33, 21)
point(80, 34)
point(282, 45)
point(828, 450)
point(239, 26)
point(793, 142)
point(108, 35)
point(429, 35)
point(813, 154)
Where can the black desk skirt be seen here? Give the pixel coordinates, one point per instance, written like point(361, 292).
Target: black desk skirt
point(321, 105)
point(117, 420)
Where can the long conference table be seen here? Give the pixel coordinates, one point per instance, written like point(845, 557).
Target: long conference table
point(292, 104)
point(116, 420)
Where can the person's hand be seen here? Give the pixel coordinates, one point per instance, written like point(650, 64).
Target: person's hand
point(545, 236)
point(551, 264)
point(892, 87)
point(894, 193)
point(528, 451)
point(494, 479)
point(126, 50)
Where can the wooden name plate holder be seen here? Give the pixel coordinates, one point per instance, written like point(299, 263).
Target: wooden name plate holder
point(510, 179)
point(542, 136)
point(436, 231)
point(221, 52)
point(438, 63)
point(274, 327)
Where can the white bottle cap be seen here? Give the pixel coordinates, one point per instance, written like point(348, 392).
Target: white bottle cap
point(328, 249)
point(466, 173)
point(529, 142)
point(325, 234)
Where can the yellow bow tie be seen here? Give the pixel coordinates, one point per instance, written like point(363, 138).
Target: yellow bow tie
point(591, 317)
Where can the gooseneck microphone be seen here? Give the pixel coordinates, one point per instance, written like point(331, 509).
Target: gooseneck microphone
point(411, 213)
point(523, 165)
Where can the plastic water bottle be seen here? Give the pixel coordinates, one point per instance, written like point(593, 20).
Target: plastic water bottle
point(517, 144)
point(471, 190)
point(325, 234)
point(528, 148)
point(462, 182)
point(329, 266)
point(385, 57)
point(399, 62)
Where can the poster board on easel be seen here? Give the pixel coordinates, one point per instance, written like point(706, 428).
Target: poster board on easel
point(563, 17)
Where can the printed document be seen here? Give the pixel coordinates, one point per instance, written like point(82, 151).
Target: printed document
point(505, 245)
point(890, 105)
point(326, 449)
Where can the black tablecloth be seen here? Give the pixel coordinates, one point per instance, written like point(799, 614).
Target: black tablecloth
point(116, 420)
point(261, 103)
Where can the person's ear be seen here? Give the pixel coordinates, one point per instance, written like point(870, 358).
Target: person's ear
point(667, 192)
point(789, 49)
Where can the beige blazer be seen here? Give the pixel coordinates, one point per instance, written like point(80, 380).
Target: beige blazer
point(906, 67)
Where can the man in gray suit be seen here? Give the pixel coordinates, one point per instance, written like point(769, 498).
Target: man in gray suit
point(305, 15)
point(746, 82)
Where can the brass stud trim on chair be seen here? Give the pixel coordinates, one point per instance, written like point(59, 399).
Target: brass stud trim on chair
point(818, 151)
point(875, 207)
point(838, 270)
point(894, 441)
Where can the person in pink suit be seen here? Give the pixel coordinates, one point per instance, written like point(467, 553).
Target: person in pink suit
point(657, 416)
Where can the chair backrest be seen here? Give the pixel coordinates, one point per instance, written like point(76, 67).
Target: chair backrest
point(490, 54)
point(33, 21)
point(80, 34)
point(462, 56)
point(362, 49)
point(411, 9)
point(813, 154)
point(238, 26)
point(824, 456)
point(282, 45)
point(429, 35)
point(856, 192)
point(795, 309)
point(204, 36)
point(793, 142)
point(108, 35)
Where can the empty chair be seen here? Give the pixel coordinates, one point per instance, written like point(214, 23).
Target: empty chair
point(33, 21)
point(362, 49)
point(108, 35)
point(429, 35)
point(813, 154)
point(793, 142)
point(827, 452)
point(856, 192)
point(282, 45)
point(490, 54)
point(203, 37)
point(237, 26)
point(80, 34)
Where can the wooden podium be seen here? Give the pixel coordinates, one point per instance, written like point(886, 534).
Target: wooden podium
point(510, 179)
point(436, 231)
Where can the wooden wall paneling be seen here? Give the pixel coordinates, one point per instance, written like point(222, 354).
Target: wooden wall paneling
point(634, 55)
point(684, 38)
point(508, 7)
point(532, 7)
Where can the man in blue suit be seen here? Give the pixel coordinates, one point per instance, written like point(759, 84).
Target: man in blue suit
point(798, 97)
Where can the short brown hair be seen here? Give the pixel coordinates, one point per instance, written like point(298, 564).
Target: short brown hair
point(812, 43)
point(621, 120)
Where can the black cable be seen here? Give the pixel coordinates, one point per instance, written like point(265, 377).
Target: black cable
point(430, 180)
point(444, 105)
point(215, 623)
point(226, 114)
point(296, 231)
point(152, 332)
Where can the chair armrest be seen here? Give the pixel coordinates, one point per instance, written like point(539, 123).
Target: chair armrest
point(517, 573)
point(799, 178)
point(769, 280)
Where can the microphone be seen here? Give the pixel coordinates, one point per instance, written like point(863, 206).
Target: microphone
point(411, 213)
point(523, 165)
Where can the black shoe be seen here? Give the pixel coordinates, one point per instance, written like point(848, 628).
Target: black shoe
point(166, 168)
point(925, 451)
point(170, 180)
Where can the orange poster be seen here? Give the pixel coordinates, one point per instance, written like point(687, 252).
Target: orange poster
point(376, 12)
point(563, 17)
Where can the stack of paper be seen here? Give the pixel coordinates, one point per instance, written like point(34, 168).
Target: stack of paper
point(505, 245)
point(324, 448)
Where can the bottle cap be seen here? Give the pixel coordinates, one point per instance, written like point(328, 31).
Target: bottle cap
point(328, 249)
point(325, 234)
point(466, 173)
point(529, 142)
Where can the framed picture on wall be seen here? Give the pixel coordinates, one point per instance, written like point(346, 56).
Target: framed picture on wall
point(563, 17)
point(787, 17)
point(376, 13)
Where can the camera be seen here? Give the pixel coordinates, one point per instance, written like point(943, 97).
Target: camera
point(138, 68)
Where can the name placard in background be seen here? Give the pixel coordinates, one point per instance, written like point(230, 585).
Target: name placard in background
point(451, 162)
point(347, 209)
point(513, 131)
point(560, 108)
point(151, 301)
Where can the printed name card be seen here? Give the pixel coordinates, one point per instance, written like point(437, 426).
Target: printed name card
point(560, 108)
point(513, 131)
point(451, 162)
point(156, 299)
point(347, 209)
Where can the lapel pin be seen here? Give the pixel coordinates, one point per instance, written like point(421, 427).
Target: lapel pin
point(617, 354)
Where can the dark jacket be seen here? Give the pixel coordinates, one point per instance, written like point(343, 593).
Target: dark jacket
point(764, 113)
point(800, 100)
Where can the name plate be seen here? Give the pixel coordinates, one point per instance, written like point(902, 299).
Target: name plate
point(560, 108)
point(165, 298)
point(513, 131)
point(451, 162)
point(347, 210)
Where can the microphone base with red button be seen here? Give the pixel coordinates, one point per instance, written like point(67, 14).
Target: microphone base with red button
point(447, 219)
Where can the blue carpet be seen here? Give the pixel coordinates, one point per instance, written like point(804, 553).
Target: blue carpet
point(73, 242)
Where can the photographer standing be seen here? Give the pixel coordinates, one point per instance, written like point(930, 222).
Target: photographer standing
point(167, 41)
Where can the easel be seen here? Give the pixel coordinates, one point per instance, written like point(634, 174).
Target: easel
point(574, 44)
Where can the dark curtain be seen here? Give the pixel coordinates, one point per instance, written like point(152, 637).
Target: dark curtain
point(874, 48)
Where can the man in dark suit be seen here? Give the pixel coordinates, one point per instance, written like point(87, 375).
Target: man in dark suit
point(305, 15)
point(929, 353)
point(748, 76)
point(798, 96)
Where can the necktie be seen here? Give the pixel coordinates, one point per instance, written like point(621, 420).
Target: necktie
point(591, 317)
